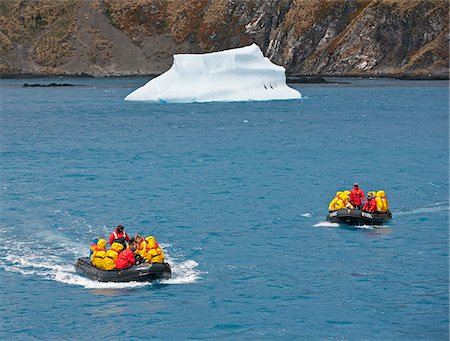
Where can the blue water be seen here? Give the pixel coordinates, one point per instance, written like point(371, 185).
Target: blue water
point(236, 193)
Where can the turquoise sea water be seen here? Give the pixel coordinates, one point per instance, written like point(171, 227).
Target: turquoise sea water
point(237, 194)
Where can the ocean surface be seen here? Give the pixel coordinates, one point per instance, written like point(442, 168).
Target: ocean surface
point(236, 194)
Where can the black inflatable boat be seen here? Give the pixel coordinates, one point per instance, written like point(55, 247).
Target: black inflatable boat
point(357, 217)
point(140, 273)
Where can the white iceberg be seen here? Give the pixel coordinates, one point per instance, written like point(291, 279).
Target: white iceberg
point(241, 74)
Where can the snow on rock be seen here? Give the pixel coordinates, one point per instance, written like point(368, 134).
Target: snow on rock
point(241, 74)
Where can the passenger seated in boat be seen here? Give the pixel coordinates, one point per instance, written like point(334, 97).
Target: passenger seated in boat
point(109, 262)
point(126, 257)
point(382, 202)
point(337, 203)
point(119, 236)
point(93, 245)
point(371, 203)
point(140, 248)
point(356, 196)
point(340, 201)
point(153, 253)
point(344, 197)
point(98, 257)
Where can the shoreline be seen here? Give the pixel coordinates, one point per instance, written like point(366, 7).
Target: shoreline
point(292, 78)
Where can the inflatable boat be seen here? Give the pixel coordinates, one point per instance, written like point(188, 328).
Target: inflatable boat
point(358, 217)
point(139, 273)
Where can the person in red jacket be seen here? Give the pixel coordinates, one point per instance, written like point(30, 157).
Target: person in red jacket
point(119, 236)
point(356, 196)
point(126, 258)
point(371, 204)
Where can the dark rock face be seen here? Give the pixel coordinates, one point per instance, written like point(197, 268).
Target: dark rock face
point(363, 38)
point(407, 38)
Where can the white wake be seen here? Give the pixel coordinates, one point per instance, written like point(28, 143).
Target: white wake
point(435, 208)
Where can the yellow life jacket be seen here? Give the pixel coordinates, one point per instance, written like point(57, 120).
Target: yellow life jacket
point(382, 203)
point(332, 205)
point(336, 204)
point(153, 253)
point(99, 254)
point(109, 262)
point(386, 204)
point(98, 258)
point(345, 202)
point(156, 255)
point(142, 249)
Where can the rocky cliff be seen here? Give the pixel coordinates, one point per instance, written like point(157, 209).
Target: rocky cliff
point(320, 37)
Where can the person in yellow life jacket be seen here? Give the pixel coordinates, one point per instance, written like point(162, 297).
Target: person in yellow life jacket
point(337, 203)
point(99, 254)
point(141, 246)
point(109, 262)
point(373, 193)
point(382, 202)
point(93, 245)
point(340, 201)
point(344, 196)
point(153, 253)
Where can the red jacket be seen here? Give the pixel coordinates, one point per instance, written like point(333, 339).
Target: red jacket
point(370, 205)
point(356, 196)
point(118, 235)
point(125, 259)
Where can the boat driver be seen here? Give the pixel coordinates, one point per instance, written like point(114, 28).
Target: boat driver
point(356, 196)
point(119, 236)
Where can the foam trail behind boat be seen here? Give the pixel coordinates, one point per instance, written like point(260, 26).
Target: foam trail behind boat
point(326, 224)
point(435, 208)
